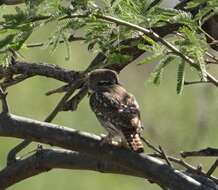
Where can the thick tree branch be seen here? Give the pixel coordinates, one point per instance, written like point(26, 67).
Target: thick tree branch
point(41, 69)
point(47, 159)
point(148, 167)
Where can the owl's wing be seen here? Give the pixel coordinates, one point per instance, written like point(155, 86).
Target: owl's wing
point(126, 117)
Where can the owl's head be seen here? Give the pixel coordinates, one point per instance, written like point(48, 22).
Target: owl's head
point(101, 78)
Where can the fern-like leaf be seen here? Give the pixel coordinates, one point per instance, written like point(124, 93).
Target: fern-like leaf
point(180, 77)
point(157, 74)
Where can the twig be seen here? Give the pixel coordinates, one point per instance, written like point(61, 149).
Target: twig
point(150, 145)
point(212, 168)
point(196, 82)
point(58, 90)
point(214, 42)
point(204, 152)
point(208, 35)
point(177, 161)
point(186, 165)
point(212, 56)
point(165, 157)
point(61, 103)
point(15, 80)
point(72, 104)
point(71, 38)
point(3, 96)
point(11, 157)
point(207, 61)
point(152, 35)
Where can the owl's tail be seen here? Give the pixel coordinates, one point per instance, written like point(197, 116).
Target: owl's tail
point(133, 140)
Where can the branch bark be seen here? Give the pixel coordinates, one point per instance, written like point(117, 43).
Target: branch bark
point(148, 167)
point(41, 69)
point(46, 159)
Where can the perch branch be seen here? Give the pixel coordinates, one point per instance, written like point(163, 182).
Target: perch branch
point(150, 168)
point(46, 159)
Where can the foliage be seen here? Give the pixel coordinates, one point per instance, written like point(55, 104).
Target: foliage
point(73, 17)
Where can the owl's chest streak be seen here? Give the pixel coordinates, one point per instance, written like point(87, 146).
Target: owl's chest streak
point(103, 106)
point(108, 110)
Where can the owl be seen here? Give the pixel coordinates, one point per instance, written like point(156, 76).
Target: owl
point(115, 108)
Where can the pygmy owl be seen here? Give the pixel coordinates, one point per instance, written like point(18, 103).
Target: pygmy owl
point(115, 108)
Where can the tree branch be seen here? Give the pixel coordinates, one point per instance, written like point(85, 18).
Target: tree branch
point(46, 159)
point(148, 167)
point(203, 152)
point(41, 69)
point(3, 95)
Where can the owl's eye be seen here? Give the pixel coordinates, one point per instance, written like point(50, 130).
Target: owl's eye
point(104, 83)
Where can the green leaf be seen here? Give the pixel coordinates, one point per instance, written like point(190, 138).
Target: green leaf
point(154, 3)
point(151, 58)
point(33, 6)
point(6, 40)
point(115, 58)
point(157, 73)
point(20, 39)
point(180, 77)
point(200, 59)
point(156, 52)
point(66, 42)
point(148, 40)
